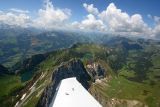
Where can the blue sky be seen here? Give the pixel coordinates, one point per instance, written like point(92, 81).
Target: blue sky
point(136, 16)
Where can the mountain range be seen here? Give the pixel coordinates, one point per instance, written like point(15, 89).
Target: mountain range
point(116, 70)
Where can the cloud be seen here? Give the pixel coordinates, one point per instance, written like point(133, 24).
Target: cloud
point(50, 17)
point(11, 18)
point(156, 29)
point(91, 9)
point(156, 19)
point(47, 17)
point(115, 21)
point(90, 23)
point(118, 21)
point(18, 10)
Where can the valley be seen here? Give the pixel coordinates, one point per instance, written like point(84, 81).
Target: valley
point(128, 75)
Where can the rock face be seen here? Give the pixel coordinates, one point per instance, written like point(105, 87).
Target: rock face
point(96, 71)
point(73, 68)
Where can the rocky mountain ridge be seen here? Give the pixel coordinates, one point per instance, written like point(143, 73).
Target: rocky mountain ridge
point(73, 68)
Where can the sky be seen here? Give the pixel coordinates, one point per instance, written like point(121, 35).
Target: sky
point(125, 17)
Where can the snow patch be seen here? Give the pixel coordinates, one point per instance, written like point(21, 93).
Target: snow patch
point(16, 104)
point(23, 96)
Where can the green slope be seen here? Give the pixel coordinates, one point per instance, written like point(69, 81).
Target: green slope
point(131, 74)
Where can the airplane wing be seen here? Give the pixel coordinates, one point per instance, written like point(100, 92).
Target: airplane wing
point(70, 93)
